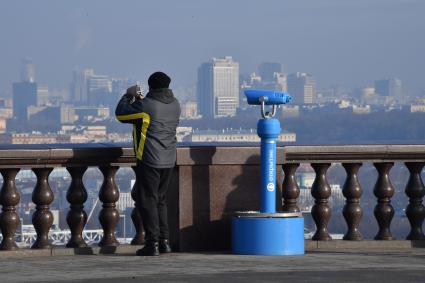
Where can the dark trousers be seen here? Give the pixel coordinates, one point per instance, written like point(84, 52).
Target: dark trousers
point(152, 189)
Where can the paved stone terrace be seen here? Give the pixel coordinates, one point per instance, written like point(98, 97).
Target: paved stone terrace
point(397, 265)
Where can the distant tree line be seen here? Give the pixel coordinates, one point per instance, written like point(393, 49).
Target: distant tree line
point(398, 126)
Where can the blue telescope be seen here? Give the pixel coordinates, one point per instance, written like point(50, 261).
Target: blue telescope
point(269, 97)
point(267, 232)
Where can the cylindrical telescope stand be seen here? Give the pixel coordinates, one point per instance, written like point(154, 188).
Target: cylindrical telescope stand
point(267, 232)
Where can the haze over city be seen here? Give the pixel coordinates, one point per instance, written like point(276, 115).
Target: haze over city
point(305, 112)
point(346, 43)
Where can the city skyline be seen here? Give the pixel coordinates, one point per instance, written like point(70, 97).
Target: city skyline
point(346, 43)
point(219, 90)
point(76, 102)
point(82, 81)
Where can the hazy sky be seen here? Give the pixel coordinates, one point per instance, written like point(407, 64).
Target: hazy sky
point(341, 42)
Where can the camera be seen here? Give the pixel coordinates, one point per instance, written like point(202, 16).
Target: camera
point(139, 91)
point(267, 97)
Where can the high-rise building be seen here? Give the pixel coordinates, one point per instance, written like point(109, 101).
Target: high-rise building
point(42, 95)
point(204, 90)
point(27, 70)
point(189, 110)
point(302, 87)
point(267, 70)
point(67, 114)
point(24, 95)
point(368, 95)
point(218, 88)
point(79, 85)
point(389, 87)
point(281, 81)
point(99, 90)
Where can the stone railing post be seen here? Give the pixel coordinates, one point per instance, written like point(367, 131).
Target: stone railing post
point(9, 219)
point(384, 190)
point(320, 211)
point(290, 189)
point(352, 210)
point(139, 238)
point(415, 210)
point(76, 217)
point(108, 216)
point(42, 219)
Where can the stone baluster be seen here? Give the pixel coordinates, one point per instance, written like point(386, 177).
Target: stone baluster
point(415, 211)
point(139, 238)
point(290, 189)
point(383, 191)
point(352, 210)
point(9, 219)
point(108, 216)
point(76, 217)
point(42, 219)
point(320, 211)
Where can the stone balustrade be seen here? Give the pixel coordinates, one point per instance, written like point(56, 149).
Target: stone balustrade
point(208, 185)
point(352, 157)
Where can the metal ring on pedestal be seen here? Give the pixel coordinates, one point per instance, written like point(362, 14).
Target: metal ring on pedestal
point(257, 214)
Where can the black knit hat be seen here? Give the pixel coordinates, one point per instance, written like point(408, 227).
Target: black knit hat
point(159, 80)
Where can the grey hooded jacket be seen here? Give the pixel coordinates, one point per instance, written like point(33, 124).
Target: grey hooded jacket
point(155, 119)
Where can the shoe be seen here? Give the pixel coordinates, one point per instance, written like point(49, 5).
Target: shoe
point(164, 246)
point(150, 249)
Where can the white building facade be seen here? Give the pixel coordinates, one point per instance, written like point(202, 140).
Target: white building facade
point(218, 88)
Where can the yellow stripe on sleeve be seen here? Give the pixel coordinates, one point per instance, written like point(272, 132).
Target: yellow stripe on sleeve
point(131, 116)
point(146, 121)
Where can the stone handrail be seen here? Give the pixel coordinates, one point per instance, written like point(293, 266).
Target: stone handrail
point(209, 183)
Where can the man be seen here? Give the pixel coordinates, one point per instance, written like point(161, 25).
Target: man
point(155, 119)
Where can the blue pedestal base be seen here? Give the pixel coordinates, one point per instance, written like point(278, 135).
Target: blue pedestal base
point(268, 235)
